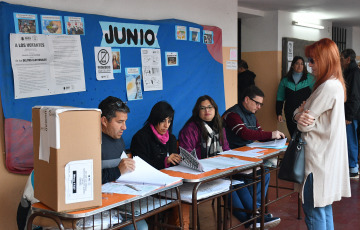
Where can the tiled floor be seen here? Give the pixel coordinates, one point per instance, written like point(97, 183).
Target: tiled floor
point(346, 212)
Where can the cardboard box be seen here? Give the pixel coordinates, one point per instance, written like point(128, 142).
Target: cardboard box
point(67, 165)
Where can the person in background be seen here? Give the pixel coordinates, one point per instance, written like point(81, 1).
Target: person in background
point(351, 74)
point(155, 144)
point(294, 88)
point(114, 113)
point(321, 119)
point(246, 78)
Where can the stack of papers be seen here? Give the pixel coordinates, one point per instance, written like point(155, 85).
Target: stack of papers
point(145, 174)
point(275, 144)
point(212, 163)
point(249, 153)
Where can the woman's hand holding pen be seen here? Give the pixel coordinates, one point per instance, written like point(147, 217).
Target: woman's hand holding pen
point(174, 159)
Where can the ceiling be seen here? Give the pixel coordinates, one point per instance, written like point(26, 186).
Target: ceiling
point(340, 12)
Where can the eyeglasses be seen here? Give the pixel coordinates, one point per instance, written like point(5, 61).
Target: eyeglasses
point(311, 60)
point(210, 107)
point(257, 103)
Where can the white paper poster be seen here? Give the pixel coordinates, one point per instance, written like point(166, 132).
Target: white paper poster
point(290, 50)
point(46, 64)
point(231, 65)
point(79, 181)
point(103, 63)
point(151, 68)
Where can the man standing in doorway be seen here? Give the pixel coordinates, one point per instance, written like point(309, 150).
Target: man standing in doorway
point(245, 78)
point(352, 106)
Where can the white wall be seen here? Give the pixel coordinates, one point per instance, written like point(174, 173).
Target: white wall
point(353, 39)
point(266, 33)
point(259, 33)
point(286, 29)
point(220, 13)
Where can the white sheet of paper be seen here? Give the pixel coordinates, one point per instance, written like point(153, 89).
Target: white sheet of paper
point(146, 174)
point(121, 188)
point(249, 153)
point(222, 163)
point(274, 143)
point(79, 181)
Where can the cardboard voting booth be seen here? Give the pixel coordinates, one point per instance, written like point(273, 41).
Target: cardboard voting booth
point(67, 157)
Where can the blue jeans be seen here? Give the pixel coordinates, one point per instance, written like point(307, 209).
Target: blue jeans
point(243, 198)
point(319, 218)
point(141, 225)
point(353, 146)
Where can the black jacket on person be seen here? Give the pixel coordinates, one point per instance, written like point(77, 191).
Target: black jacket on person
point(245, 79)
point(352, 104)
point(148, 147)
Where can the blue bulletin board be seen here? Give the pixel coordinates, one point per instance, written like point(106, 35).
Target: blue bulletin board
point(199, 71)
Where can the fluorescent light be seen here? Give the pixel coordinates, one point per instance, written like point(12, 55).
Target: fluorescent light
point(309, 25)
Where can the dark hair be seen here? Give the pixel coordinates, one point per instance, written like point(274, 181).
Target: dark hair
point(252, 91)
point(218, 126)
point(291, 71)
point(243, 64)
point(110, 105)
point(159, 112)
point(349, 53)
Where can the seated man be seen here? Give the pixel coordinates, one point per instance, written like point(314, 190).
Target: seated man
point(243, 128)
point(114, 114)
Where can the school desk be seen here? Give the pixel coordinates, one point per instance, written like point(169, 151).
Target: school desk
point(130, 207)
point(198, 179)
point(277, 154)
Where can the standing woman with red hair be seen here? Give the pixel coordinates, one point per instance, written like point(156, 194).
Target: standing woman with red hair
point(321, 119)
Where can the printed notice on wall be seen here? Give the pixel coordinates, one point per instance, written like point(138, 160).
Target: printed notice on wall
point(104, 68)
point(151, 68)
point(46, 64)
point(79, 181)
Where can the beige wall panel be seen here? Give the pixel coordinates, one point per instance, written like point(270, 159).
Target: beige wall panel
point(267, 67)
point(230, 80)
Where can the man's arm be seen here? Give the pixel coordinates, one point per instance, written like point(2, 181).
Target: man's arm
point(234, 122)
point(110, 174)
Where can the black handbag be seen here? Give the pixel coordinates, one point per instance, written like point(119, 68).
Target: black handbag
point(292, 166)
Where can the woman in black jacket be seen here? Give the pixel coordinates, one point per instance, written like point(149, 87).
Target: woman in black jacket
point(154, 142)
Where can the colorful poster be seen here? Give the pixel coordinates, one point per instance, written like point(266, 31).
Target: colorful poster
point(194, 34)
point(180, 32)
point(51, 24)
point(103, 63)
point(208, 37)
point(151, 69)
point(74, 25)
point(116, 60)
point(133, 84)
point(26, 23)
point(171, 58)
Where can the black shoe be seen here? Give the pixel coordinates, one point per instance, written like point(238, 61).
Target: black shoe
point(269, 222)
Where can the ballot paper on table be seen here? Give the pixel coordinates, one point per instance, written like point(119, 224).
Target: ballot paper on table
point(278, 143)
point(207, 164)
point(249, 153)
point(133, 189)
point(190, 160)
point(146, 174)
